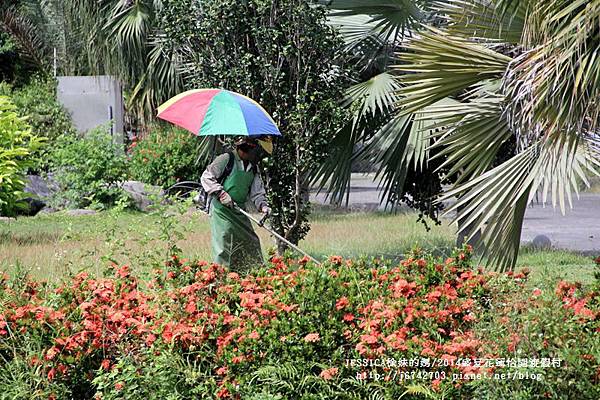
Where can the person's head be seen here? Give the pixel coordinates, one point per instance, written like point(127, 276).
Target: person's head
point(248, 149)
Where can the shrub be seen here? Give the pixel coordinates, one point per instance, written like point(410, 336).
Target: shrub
point(89, 170)
point(165, 156)
point(17, 144)
point(37, 101)
point(556, 331)
point(289, 330)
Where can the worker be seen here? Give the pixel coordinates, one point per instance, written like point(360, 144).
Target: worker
point(232, 178)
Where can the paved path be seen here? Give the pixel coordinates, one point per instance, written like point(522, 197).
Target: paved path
point(578, 229)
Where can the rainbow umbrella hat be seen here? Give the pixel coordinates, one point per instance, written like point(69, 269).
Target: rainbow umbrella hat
point(210, 112)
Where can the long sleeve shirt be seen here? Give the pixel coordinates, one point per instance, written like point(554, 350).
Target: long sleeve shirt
point(214, 170)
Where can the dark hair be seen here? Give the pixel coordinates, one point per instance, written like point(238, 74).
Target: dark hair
point(246, 147)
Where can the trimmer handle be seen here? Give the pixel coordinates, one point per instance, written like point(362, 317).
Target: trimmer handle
point(263, 219)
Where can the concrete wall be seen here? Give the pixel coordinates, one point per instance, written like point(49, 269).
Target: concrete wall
point(93, 101)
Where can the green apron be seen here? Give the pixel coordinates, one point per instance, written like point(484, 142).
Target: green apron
point(234, 242)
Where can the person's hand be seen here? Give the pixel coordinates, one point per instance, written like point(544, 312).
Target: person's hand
point(225, 199)
point(197, 199)
point(265, 209)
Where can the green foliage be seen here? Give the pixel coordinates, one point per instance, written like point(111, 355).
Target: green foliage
point(166, 156)
point(88, 169)
point(538, 323)
point(516, 96)
point(163, 376)
point(45, 114)
point(17, 144)
point(282, 54)
point(47, 117)
point(294, 330)
point(12, 69)
point(395, 146)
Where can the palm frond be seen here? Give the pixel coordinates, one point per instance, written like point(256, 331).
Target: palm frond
point(439, 65)
point(335, 172)
point(160, 81)
point(393, 18)
point(469, 135)
point(366, 44)
point(495, 202)
point(389, 150)
point(489, 203)
point(31, 46)
point(483, 19)
point(377, 95)
point(555, 85)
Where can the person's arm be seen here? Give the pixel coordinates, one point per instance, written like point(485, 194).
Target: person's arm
point(211, 174)
point(258, 194)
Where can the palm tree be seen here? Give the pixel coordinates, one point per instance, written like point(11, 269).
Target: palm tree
point(525, 70)
point(375, 32)
point(114, 37)
point(25, 25)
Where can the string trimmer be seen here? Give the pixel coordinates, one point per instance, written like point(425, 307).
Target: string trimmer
point(273, 233)
point(187, 187)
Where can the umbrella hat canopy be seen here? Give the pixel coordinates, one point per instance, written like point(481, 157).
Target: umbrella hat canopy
point(208, 112)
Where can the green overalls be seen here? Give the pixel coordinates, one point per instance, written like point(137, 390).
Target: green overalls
point(234, 242)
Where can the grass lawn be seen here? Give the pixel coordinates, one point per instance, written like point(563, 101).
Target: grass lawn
point(50, 245)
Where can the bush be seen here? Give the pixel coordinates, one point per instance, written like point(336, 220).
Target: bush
point(17, 144)
point(37, 101)
point(558, 328)
point(289, 330)
point(166, 156)
point(88, 170)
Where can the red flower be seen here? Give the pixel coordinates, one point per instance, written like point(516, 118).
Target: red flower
point(341, 303)
point(222, 371)
point(51, 353)
point(369, 339)
point(312, 337)
point(238, 359)
point(337, 260)
point(469, 317)
point(224, 392)
point(514, 341)
point(119, 386)
point(329, 373)
point(348, 317)
point(150, 339)
point(51, 374)
point(105, 365)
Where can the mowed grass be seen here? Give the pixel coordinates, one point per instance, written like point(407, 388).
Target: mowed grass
point(556, 265)
point(52, 245)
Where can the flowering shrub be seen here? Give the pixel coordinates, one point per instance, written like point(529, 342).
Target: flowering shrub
point(292, 329)
point(555, 331)
point(165, 156)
